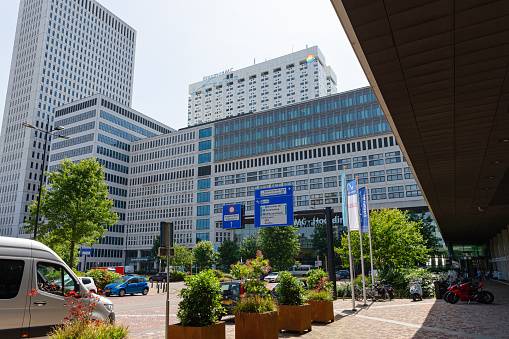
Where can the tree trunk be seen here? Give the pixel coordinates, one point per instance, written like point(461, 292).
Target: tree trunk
point(71, 255)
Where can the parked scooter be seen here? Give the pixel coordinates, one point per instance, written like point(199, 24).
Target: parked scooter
point(415, 290)
point(466, 291)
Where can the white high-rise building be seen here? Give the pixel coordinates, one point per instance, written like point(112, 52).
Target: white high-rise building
point(64, 50)
point(296, 77)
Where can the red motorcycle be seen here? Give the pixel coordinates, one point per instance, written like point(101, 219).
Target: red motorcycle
point(468, 292)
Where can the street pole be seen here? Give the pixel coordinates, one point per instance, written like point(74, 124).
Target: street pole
point(330, 251)
point(40, 179)
point(360, 240)
point(167, 322)
point(370, 247)
point(352, 269)
point(46, 132)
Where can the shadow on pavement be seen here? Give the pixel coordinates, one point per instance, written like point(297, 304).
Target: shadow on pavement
point(472, 319)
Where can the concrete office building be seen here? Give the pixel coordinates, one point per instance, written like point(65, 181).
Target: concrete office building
point(274, 83)
point(187, 176)
point(64, 50)
point(101, 128)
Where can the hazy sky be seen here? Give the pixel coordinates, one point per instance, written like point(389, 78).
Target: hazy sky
point(179, 42)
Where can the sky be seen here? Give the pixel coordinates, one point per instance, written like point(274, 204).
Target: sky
point(179, 42)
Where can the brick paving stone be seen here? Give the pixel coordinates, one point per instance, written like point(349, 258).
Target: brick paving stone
point(474, 319)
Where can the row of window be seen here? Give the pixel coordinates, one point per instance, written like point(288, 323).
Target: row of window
point(73, 141)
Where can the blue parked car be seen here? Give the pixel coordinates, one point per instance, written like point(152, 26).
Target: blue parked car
point(129, 285)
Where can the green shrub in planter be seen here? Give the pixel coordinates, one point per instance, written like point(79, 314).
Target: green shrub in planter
point(290, 290)
point(319, 295)
point(201, 302)
point(314, 277)
point(255, 304)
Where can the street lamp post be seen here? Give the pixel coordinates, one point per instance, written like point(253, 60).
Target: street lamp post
point(46, 132)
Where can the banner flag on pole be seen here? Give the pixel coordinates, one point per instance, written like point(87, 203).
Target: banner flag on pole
point(363, 204)
point(343, 198)
point(353, 206)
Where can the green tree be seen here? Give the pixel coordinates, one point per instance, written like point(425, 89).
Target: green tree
point(204, 254)
point(428, 230)
point(75, 207)
point(280, 245)
point(183, 256)
point(248, 248)
point(228, 253)
point(396, 241)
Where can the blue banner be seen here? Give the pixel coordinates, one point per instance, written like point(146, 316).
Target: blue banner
point(353, 205)
point(343, 197)
point(363, 202)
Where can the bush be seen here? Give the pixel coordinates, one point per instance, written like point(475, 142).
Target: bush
point(255, 305)
point(89, 330)
point(290, 290)
point(178, 276)
point(314, 277)
point(399, 279)
point(102, 277)
point(201, 302)
point(319, 295)
point(249, 272)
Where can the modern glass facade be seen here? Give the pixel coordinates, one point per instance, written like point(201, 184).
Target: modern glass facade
point(350, 115)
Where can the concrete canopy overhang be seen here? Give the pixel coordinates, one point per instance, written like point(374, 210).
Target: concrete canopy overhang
point(440, 72)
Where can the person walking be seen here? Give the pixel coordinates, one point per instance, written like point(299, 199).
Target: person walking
point(479, 274)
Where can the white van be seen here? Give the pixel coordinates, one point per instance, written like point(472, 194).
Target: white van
point(301, 271)
point(26, 267)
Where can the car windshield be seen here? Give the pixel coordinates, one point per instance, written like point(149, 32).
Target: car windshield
point(122, 280)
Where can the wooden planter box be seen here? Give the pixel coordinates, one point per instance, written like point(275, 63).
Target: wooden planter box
point(256, 325)
point(295, 318)
point(214, 331)
point(321, 311)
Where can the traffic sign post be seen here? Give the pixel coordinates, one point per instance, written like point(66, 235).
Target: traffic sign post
point(232, 216)
point(274, 206)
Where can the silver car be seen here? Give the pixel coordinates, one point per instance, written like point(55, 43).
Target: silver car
point(89, 283)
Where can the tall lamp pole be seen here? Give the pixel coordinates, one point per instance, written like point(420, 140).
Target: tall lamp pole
point(46, 132)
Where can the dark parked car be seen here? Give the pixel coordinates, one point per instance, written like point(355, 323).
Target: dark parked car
point(231, 291)
point(161, 276)
point(342, 274)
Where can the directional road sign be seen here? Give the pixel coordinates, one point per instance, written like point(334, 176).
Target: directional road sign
point(274, 206)
point(86, 251)
point(232, 216)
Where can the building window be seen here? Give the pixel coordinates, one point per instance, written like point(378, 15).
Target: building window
point(205, 133)
point(202, 237)
point(203, 197)
point(203, 184)
point(204, 145)
point(203, 210)
point(203, 224)
point(205, 157)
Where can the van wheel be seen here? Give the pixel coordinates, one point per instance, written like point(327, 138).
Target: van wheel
point(121, 293)
point(145, 291)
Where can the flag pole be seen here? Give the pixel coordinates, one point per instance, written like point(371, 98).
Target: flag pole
point(345, 218)
point(370, 247)
point(360, 240)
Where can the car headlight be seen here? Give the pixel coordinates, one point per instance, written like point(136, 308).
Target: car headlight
point(109, 307)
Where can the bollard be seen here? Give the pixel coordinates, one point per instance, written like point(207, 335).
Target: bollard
point(157, 287)
point(152, 284)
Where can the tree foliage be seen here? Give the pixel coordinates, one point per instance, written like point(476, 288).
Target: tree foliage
point(248, 248)
point(250, 272)
point(428, 231)
point(75, 208)
point(183, 256)
point(396, 241)
point(204, 254)
point(228, 253)
point(280, 245)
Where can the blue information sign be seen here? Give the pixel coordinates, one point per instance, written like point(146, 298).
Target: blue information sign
point(86, 251)
point(232, 216)
point(274, 206)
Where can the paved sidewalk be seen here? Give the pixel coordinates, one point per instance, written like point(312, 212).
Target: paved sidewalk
point(401, 318)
